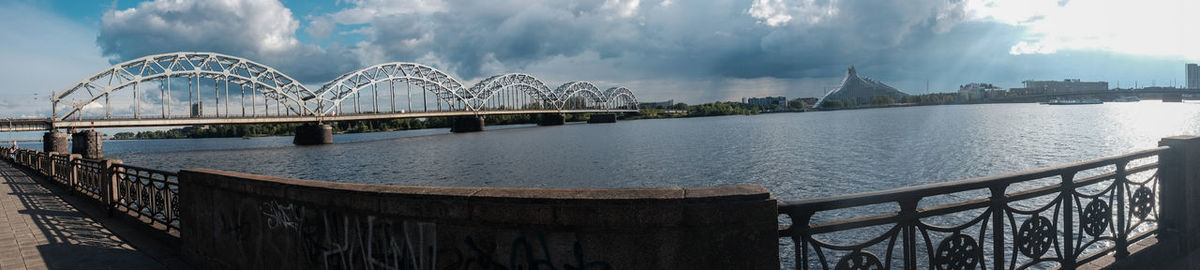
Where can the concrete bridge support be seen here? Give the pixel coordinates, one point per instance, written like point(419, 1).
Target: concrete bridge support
point(55, 142)
point(313, 134)
point(602, 118)
point(1172, 97)
point(552, 119)
point(88, 143)
point(467, 124)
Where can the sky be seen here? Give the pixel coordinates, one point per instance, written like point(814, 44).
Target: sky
point(689, 51)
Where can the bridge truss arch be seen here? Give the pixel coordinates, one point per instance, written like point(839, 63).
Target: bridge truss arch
point(620, 98)
point(535, 91)
point(579, 95)
point(160, 69)
point(446, 88)
point(146, 92)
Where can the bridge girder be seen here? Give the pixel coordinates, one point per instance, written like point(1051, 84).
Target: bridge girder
point(261, 78)
point(276, 86)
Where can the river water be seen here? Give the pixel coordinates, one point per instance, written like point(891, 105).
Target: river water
point(794, 155)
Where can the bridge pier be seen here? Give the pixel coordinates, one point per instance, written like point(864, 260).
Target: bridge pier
point(55, 142)
point(1172, 97)
point(88, 143)
point(602, 118)
point(552, 119)
point(313, 134)
point(467, 124)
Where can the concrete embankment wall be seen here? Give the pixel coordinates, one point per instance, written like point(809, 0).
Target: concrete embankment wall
point(247, 221)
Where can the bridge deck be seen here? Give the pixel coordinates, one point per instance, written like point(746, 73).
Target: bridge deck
point(10, 125)
point(39, 230)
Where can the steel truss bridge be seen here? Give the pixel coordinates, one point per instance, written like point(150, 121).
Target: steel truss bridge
point(201, 88)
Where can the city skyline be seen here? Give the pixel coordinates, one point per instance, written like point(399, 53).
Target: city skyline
point(721, 50)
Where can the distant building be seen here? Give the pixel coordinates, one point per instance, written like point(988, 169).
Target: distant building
point(857, 90)
point(1193, 76)
point(768, 102)
point(657, 105)
point(980, 90)
point(810, 101)
point(1063, 86)
point(197, 110)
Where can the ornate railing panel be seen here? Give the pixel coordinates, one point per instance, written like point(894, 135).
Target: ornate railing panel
point(64, 170)
point(1054, 217)
point(89, 177)
point(148, 193)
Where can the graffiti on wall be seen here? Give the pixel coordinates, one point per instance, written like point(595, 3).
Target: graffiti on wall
point(354, 242)
point(340, 240)
point(522, 254)
point(344, 241)
point(280, 215)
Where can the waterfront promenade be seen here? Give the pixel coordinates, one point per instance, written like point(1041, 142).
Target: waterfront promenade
point(1135, 210)
point(41, 230)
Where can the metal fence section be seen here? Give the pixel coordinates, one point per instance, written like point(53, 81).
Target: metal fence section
point(89, 177)
point(146, 194)
point(1061, 216)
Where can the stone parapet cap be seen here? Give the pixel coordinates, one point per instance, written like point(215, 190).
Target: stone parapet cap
point(231, 180)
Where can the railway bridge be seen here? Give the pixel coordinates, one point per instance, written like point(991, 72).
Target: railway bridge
point(204, 88)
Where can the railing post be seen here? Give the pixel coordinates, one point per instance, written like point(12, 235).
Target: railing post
point(50, 173)
point(998, 232)
point(109, 182)
point(73, 181)
point(1070, 260)
point(1179, 191)
point(800, 235)
point(1122, 241)
point(908, 225)
point(42, 157)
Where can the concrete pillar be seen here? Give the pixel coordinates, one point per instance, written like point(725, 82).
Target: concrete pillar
point(602, 118)
point(552, 119)
point(88, 144)
point(55, 142)
point(1172, 97)
point(1179, 181)
point(467, 124)
point(313, 134)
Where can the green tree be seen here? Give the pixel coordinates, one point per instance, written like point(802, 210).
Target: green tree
point(797, 104)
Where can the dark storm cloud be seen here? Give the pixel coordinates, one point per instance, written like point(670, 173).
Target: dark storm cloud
point(684, 39)
point(712, 48)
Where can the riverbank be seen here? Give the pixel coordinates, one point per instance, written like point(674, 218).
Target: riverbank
point(367, 126)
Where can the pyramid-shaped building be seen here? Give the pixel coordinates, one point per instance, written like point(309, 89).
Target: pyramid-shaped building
point(861, 89)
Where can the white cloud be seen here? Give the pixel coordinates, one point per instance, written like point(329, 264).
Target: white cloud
point(260, 30)
point(258, 26)
point(1147, 27)
point(781, 12)
point(364, 11)
point(623, 8)
point(770, 12)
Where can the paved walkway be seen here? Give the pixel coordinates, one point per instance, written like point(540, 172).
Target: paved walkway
point(38, 230)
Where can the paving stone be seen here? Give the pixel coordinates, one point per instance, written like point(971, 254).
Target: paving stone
point(38, 230)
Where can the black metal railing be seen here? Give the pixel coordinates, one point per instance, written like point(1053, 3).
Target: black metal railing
point(1061, 216)
point(90, 177)
point(146, 194)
